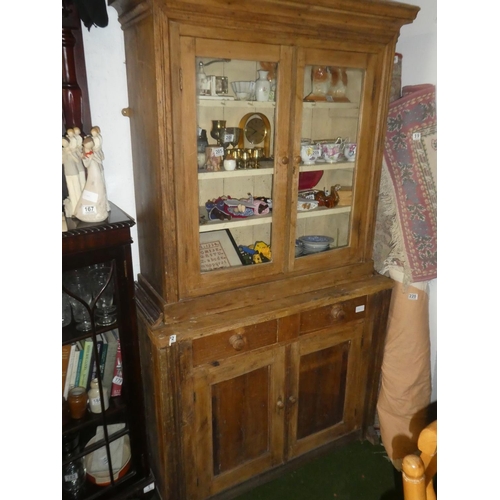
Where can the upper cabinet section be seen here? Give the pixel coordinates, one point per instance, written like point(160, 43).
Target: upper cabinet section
point(264, 163)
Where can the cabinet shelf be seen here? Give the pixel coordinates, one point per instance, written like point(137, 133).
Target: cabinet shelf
point(227, 103)
point(224, 174)
point(322, 165)
point(322, 211)
point(233, 223)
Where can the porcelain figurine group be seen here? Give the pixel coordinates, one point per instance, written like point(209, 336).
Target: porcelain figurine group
point(83, 169)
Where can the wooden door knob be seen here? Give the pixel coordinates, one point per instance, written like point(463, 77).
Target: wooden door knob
point(298, 159)
point(284, 160)
point(338, 312)
point(126, 112)
point(280, 403)
point(237, 342)
point(292, 400)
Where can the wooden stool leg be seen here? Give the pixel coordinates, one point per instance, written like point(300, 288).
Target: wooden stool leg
point(413, 478)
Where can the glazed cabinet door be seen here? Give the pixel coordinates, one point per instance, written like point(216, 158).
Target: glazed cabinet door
point(102, 385)
point(324, 400)
point(232, 174)
point(334, 143)
point(238, 414)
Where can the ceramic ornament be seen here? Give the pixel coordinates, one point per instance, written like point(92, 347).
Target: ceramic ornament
point(93, 203)
point(74, 171)
point(95, 132)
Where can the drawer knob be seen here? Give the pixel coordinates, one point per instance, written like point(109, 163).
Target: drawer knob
point(338, 312)
point(237, 341)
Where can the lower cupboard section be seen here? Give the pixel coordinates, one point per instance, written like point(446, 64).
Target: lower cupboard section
point(271, 391)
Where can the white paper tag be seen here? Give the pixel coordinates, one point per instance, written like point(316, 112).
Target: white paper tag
point(416, 136)
point(360, 308)
point(413, 296)
point(218, 152)
point(149, 487)
point(90, 196)
point(172, 340)
point(89, 209)
point(118, 380)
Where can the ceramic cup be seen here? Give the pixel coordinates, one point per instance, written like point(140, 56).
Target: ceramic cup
point(332, 151)
point(350, 151)
point(309, 153)
point(229, 164)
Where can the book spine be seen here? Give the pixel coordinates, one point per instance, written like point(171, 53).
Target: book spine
point(66, 351)
point(109, 366)
point(72, 375)
point(95, 363)
point(116, 387)
point(69, 371)
point(102, 361)
point(87, 358)
point(79, 366)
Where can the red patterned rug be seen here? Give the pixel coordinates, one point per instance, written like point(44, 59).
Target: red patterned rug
point(406, 230)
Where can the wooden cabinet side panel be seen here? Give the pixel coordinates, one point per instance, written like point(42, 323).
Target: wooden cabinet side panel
point(159, 409)
point(373, 351)
point(139, 40)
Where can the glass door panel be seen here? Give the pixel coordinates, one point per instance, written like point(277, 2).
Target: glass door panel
point(329, 130)
point(235, 112)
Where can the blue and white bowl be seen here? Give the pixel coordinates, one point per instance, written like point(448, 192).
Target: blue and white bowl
point(316, 243)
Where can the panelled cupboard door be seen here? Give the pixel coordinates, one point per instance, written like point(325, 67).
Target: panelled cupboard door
point(324, 388)
point(239, 427)
point(223, 210)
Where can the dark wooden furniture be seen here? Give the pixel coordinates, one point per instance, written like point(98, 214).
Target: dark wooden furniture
point(250, 368)
point(84, 245)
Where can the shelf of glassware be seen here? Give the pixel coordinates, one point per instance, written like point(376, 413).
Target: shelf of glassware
point(231, 102)
point(319, 165)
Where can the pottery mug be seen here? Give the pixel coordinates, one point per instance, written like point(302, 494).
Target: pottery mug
point(350, 151)
point(309, 153)
point(333, 151)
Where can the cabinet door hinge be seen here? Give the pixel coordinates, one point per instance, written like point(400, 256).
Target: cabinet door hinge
point(125, 268)
point(180, 79)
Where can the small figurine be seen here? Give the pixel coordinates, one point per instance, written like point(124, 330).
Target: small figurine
point(93, 203)
point(73, 166)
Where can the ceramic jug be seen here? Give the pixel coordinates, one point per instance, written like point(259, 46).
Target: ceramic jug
point(262, 87)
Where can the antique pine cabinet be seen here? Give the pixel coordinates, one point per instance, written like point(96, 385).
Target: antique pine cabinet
point(252, 366)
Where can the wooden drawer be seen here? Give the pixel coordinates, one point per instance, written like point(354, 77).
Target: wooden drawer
point(336, 314)
point(223, 345)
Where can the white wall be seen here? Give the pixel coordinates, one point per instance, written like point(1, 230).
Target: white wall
point(105, 61)
point(107, 82)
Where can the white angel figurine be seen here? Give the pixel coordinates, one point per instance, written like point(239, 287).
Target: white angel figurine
point(72, 176)
point(95, 132)
point(93, 203)
point(75, 148)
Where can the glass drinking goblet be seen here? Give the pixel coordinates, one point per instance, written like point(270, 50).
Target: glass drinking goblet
point(104, 290)
point(66, 310)
point(230, 136)
point(77, 283)
point(217, 128)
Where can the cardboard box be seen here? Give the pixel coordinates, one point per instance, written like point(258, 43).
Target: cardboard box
point(345, 196)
